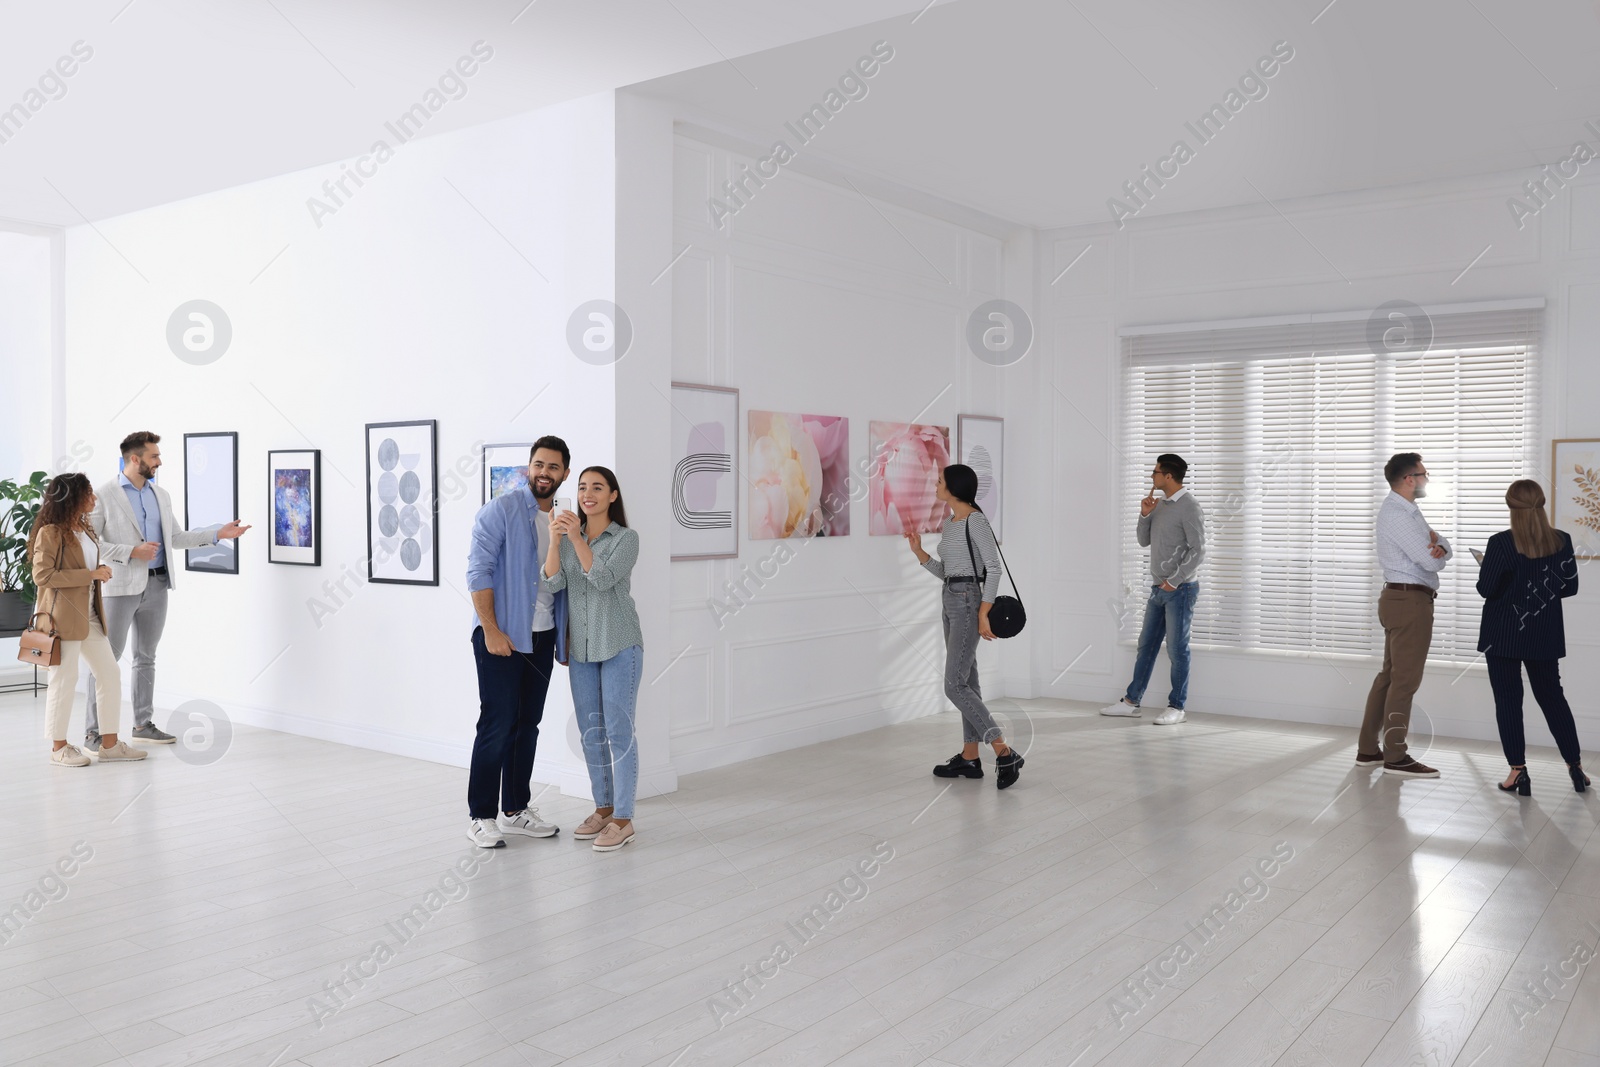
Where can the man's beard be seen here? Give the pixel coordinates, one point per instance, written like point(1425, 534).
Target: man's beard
point(547, 494)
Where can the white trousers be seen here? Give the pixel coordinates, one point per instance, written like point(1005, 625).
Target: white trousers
point(95, 649)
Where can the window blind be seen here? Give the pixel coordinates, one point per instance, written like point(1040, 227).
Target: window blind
point(1286, 426)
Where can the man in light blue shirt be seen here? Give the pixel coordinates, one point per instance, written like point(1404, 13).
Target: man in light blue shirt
point(133, 519)
point(518, 633)
point(1411, 556)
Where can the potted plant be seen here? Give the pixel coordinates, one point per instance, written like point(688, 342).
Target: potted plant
point(19, 506)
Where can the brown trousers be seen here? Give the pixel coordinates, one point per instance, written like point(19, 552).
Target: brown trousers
point(1407, 619)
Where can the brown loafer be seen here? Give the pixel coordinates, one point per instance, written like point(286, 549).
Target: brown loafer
point(1410, 768)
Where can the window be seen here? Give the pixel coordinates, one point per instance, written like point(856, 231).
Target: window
point(1286, 426)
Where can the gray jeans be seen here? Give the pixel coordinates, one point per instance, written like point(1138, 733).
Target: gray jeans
point(961, 602)
point(146, 613)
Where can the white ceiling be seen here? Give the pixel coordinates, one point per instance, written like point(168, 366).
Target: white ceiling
point(1034, 111)
point(1037, 111)
point(183, 97)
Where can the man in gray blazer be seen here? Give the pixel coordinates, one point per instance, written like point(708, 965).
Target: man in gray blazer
point(133, 518)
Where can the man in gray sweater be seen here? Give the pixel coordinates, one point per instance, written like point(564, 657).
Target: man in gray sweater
point(1174, 529)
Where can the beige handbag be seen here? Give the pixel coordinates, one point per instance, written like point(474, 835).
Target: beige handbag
point(38, 647)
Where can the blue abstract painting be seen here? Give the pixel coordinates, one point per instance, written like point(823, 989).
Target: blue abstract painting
point(291, 513)
point(504, 480)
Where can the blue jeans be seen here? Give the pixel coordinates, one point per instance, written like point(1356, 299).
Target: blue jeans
point(1166, 615)
point(604, 695)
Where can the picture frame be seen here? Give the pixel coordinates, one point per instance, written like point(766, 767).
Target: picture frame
point(403, 502)
point(903, 464)
point(499, 461)
point(780, 507)
point(981, 445)
point(294, 507)
point(1575, 493)
point(211, 497)
point(705, 472)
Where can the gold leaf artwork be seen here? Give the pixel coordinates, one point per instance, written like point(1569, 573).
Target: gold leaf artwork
point(1588, 496)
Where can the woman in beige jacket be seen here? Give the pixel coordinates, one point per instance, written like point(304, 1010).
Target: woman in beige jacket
point(68, 572)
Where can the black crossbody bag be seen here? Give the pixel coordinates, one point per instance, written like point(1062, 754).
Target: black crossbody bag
point(1006, 614)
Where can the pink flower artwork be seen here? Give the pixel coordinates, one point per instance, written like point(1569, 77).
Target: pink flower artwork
point(906, 459)
point(797, 473)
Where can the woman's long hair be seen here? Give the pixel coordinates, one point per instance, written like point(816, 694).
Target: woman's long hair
point(962, 483)
point(64, 497)
point(616, 512)
point(1530, 526)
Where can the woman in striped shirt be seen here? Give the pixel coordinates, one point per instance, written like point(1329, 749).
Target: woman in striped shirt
point(969, 565)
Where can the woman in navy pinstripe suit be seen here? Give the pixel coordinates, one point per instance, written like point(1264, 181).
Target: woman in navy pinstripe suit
point(1525, 573)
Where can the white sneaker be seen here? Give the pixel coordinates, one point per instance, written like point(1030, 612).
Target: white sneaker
point(485, 834)
point(120, 753)
point(527, 823)
point(1121, 708)
point(1171, 717)
point(69, 756)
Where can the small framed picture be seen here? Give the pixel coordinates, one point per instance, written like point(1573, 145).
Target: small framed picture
point(981, 445)
point(505, 468)
point(211, 496)
point(403, 502)
point(294, 500)
point(705, 483)
point(1575, 493)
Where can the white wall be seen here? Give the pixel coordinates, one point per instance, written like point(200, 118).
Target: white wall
point(420, 298)
point(30, 340)
point(1411, 243)
point(412, 302)
point(27, 268)
point(815, 300)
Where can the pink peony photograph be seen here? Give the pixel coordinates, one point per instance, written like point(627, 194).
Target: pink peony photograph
point(906, 458)
point(797, 469)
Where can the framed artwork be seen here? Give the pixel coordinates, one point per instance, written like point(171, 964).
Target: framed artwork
point(294, 500)
point(505, 469)
point(211, 497)
point(705, 484)
point(1575, 493)
point(902, 477)
point(403, 502)
point(981, 445)
point(797, 467)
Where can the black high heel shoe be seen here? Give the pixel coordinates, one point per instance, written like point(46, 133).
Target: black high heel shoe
point(1580, 781)
point(1522, 786)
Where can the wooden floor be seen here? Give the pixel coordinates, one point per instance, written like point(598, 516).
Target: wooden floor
point(251, 911)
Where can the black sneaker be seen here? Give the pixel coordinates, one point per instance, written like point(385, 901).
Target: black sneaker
point(1006, 769)
point(956, 767)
